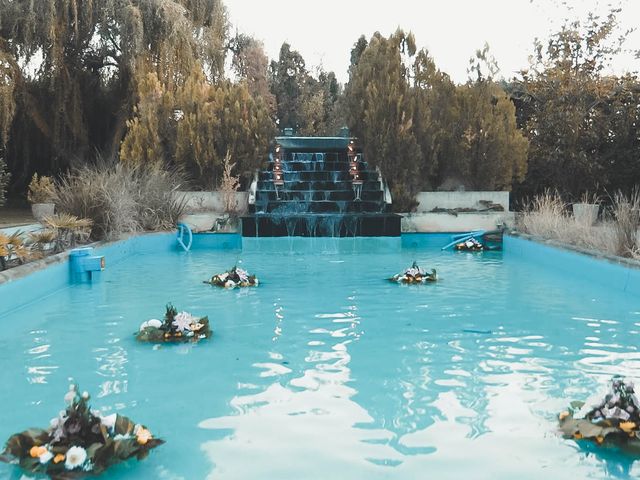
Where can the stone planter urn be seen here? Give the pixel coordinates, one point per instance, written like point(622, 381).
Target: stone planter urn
point(586, 213)
point(42, 210)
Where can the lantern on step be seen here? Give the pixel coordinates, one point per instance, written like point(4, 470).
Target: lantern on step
point(278, 175)
point(354, 169)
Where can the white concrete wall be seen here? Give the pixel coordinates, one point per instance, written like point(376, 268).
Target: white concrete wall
point(211, 201)
point(430, 200)
point(207, 222)
point(463, 222)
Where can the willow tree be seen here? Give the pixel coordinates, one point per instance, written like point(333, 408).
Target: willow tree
point(75, 65)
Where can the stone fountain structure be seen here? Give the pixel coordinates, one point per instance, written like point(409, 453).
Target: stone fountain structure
point(319, 187)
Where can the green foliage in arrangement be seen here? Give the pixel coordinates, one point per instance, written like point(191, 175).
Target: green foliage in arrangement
point(79, 443)
point(174, 328)
point(613, 421)
point(236, 277)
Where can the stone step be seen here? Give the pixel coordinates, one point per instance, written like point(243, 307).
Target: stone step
point(317, 185)
point(322, 225)
point(282, 207)
point(319, 176)
point(313, 157)
point(316, 166)
point(309, 195)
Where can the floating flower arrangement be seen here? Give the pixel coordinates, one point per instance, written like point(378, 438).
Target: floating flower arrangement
point(614, 420)
point(415, 274)
point(471, 245)
point(175, 327)
point(79, 442)
point(236, 277)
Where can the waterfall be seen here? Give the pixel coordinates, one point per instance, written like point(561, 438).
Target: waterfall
point(317, 196)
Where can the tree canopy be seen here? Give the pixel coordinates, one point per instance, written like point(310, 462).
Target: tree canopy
point(425, 132)
point(582, 123)
point(145, 81)
point(72, 67)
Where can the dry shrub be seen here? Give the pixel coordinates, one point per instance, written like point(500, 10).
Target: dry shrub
point(548, 217)
point(626, 214)
point(158, 205)
point(545, 216)
point(228, 186)
point(121, 199)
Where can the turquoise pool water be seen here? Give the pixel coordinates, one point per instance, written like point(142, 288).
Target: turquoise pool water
point(326, 370)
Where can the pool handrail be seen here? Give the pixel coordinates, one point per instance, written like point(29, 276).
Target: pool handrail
point(463, 237)
point(182, 228)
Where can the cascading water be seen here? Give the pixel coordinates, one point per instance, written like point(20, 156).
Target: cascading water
point(307, 190)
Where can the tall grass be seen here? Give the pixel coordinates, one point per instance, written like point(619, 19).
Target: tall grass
point(121, 199)
point(548, 217)
point(626, 212)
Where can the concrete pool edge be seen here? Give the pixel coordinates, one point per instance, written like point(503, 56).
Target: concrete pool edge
point(613, 272)
point(32, 281)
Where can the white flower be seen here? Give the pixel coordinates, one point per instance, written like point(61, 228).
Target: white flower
point(183, 321)
point(243, 274)
point(45, 457)
point(70, 396)
point(109, 421)
point(76, 456)
point(154, 322)
point(85, 395)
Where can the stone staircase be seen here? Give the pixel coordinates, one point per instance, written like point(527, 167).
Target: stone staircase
point(318, 186)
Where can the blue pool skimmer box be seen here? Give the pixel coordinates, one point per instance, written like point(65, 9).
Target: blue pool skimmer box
point(84, 266)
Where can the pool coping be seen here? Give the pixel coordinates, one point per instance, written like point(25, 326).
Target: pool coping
point(21, 271)
point(26, 269)
point(594, 254)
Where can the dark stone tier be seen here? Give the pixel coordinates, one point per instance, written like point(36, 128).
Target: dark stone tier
point(318, 225)
point(315, 195)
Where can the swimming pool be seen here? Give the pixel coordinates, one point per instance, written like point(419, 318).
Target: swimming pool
point(328, 371)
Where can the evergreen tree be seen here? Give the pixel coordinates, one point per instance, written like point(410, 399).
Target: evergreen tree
point(380, 113)
point(288, 77)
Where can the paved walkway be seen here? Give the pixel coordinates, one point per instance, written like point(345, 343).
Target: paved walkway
point(13, 217)
point(17, 220)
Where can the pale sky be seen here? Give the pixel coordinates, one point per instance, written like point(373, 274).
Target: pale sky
point(324, 31)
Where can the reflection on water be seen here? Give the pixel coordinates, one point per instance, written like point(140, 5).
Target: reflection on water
point(39, 363)
point(328, 371)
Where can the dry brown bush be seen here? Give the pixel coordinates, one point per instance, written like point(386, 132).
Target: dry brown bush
point(122, 199)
